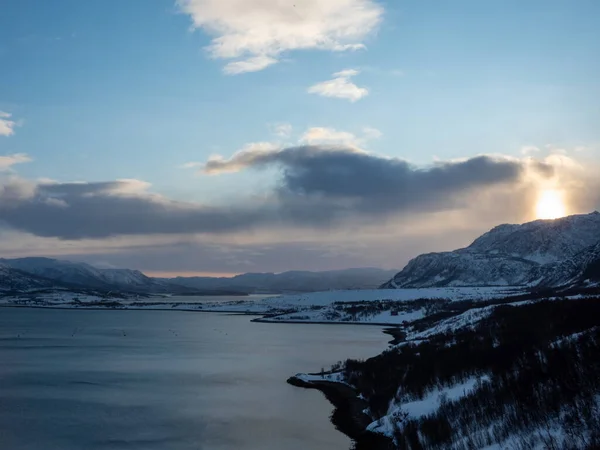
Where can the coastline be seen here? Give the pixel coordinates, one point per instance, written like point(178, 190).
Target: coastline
point(348, 416)
point(260, 316)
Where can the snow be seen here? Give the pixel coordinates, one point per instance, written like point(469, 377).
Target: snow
point(450, 293)
point(324, 316)
point(432, 401)
point(545, 253)
point(332, 377)
point(462, 321)
point(348, 306)
point(401, 411)
point(467, 319)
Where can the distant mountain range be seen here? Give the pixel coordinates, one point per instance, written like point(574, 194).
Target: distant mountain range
point(292, 281)
point(542, 253)
point(25, 274)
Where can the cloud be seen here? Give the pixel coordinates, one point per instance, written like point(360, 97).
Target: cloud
point(254, 64)
point(340, 87)
point(322, 135)
point(6, 162)
point(241, 159)
point(7, 126)
point(96, 210)
point(249, 149)
point(255, 33)
point(348, 179)
point(371, 133)
point(282, 130)
point(191, 165)
point(530, 150)
point(312, 136)
point(320, 186)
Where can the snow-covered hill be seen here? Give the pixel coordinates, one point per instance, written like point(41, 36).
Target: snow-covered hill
point(581, 269)
point(79, 274)
point(540, 253)
point(85, 275)
point(15, 280)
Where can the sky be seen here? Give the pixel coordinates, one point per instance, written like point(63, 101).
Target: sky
point(229, 136)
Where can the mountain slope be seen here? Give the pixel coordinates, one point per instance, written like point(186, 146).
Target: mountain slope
point(85, 275)
point(16, 280)
point(583, 269)
point(539, 253)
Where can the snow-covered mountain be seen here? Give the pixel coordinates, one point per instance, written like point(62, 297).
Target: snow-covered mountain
point(583, 269)
point(85, 275)
point(293, 281)
point(77, 274)
point(16, 280)
point(540, 253)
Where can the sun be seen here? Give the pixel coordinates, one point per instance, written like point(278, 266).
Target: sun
point(550, 205)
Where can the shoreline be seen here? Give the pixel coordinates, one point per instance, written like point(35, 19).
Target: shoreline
point(390, 327)
point(96, 308)
point(348, 416)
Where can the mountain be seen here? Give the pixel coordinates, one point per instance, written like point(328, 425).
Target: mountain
point(16, 280)
point(583, 269)
point(40, 272)
point(539, 253)
point(292, 281)
point(84, 275)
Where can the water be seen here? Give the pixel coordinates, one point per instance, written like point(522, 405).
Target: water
point(172, 380)
point(208, 298)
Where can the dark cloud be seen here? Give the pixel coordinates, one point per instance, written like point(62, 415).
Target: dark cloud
point(320, 186)
point(90, 210)
point(370, 183)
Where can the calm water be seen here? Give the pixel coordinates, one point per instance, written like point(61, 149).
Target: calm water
point(208, 298)
point(166, 380)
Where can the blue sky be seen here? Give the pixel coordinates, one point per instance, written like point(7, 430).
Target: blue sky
point(99, 91)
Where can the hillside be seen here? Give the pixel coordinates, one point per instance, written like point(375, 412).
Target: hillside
point(86, 276)
point(475, 375)
point(548, 253)
point(78, 274)
point(16, 280)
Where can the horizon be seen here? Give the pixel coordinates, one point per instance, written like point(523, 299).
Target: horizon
point(173, 275)
point(197, 136)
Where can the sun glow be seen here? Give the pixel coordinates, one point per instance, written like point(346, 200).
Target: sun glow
point(550, 205)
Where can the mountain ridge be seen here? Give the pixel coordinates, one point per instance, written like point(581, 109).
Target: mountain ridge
point(293, 280)
point(40, 272)
point(541, 253)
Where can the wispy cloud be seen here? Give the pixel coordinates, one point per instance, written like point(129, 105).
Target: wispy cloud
point(254, 64)
point(191, 165)
point(326, 136)
point(7, 126)
point(322, 135)
point(282, 130)
point(253, 34)
point(371, 133)
point(340, 87)
point(249, 152)
point(331, 136)
point(6, 162)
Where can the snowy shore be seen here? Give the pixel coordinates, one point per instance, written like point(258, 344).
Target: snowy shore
point(376, 306)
